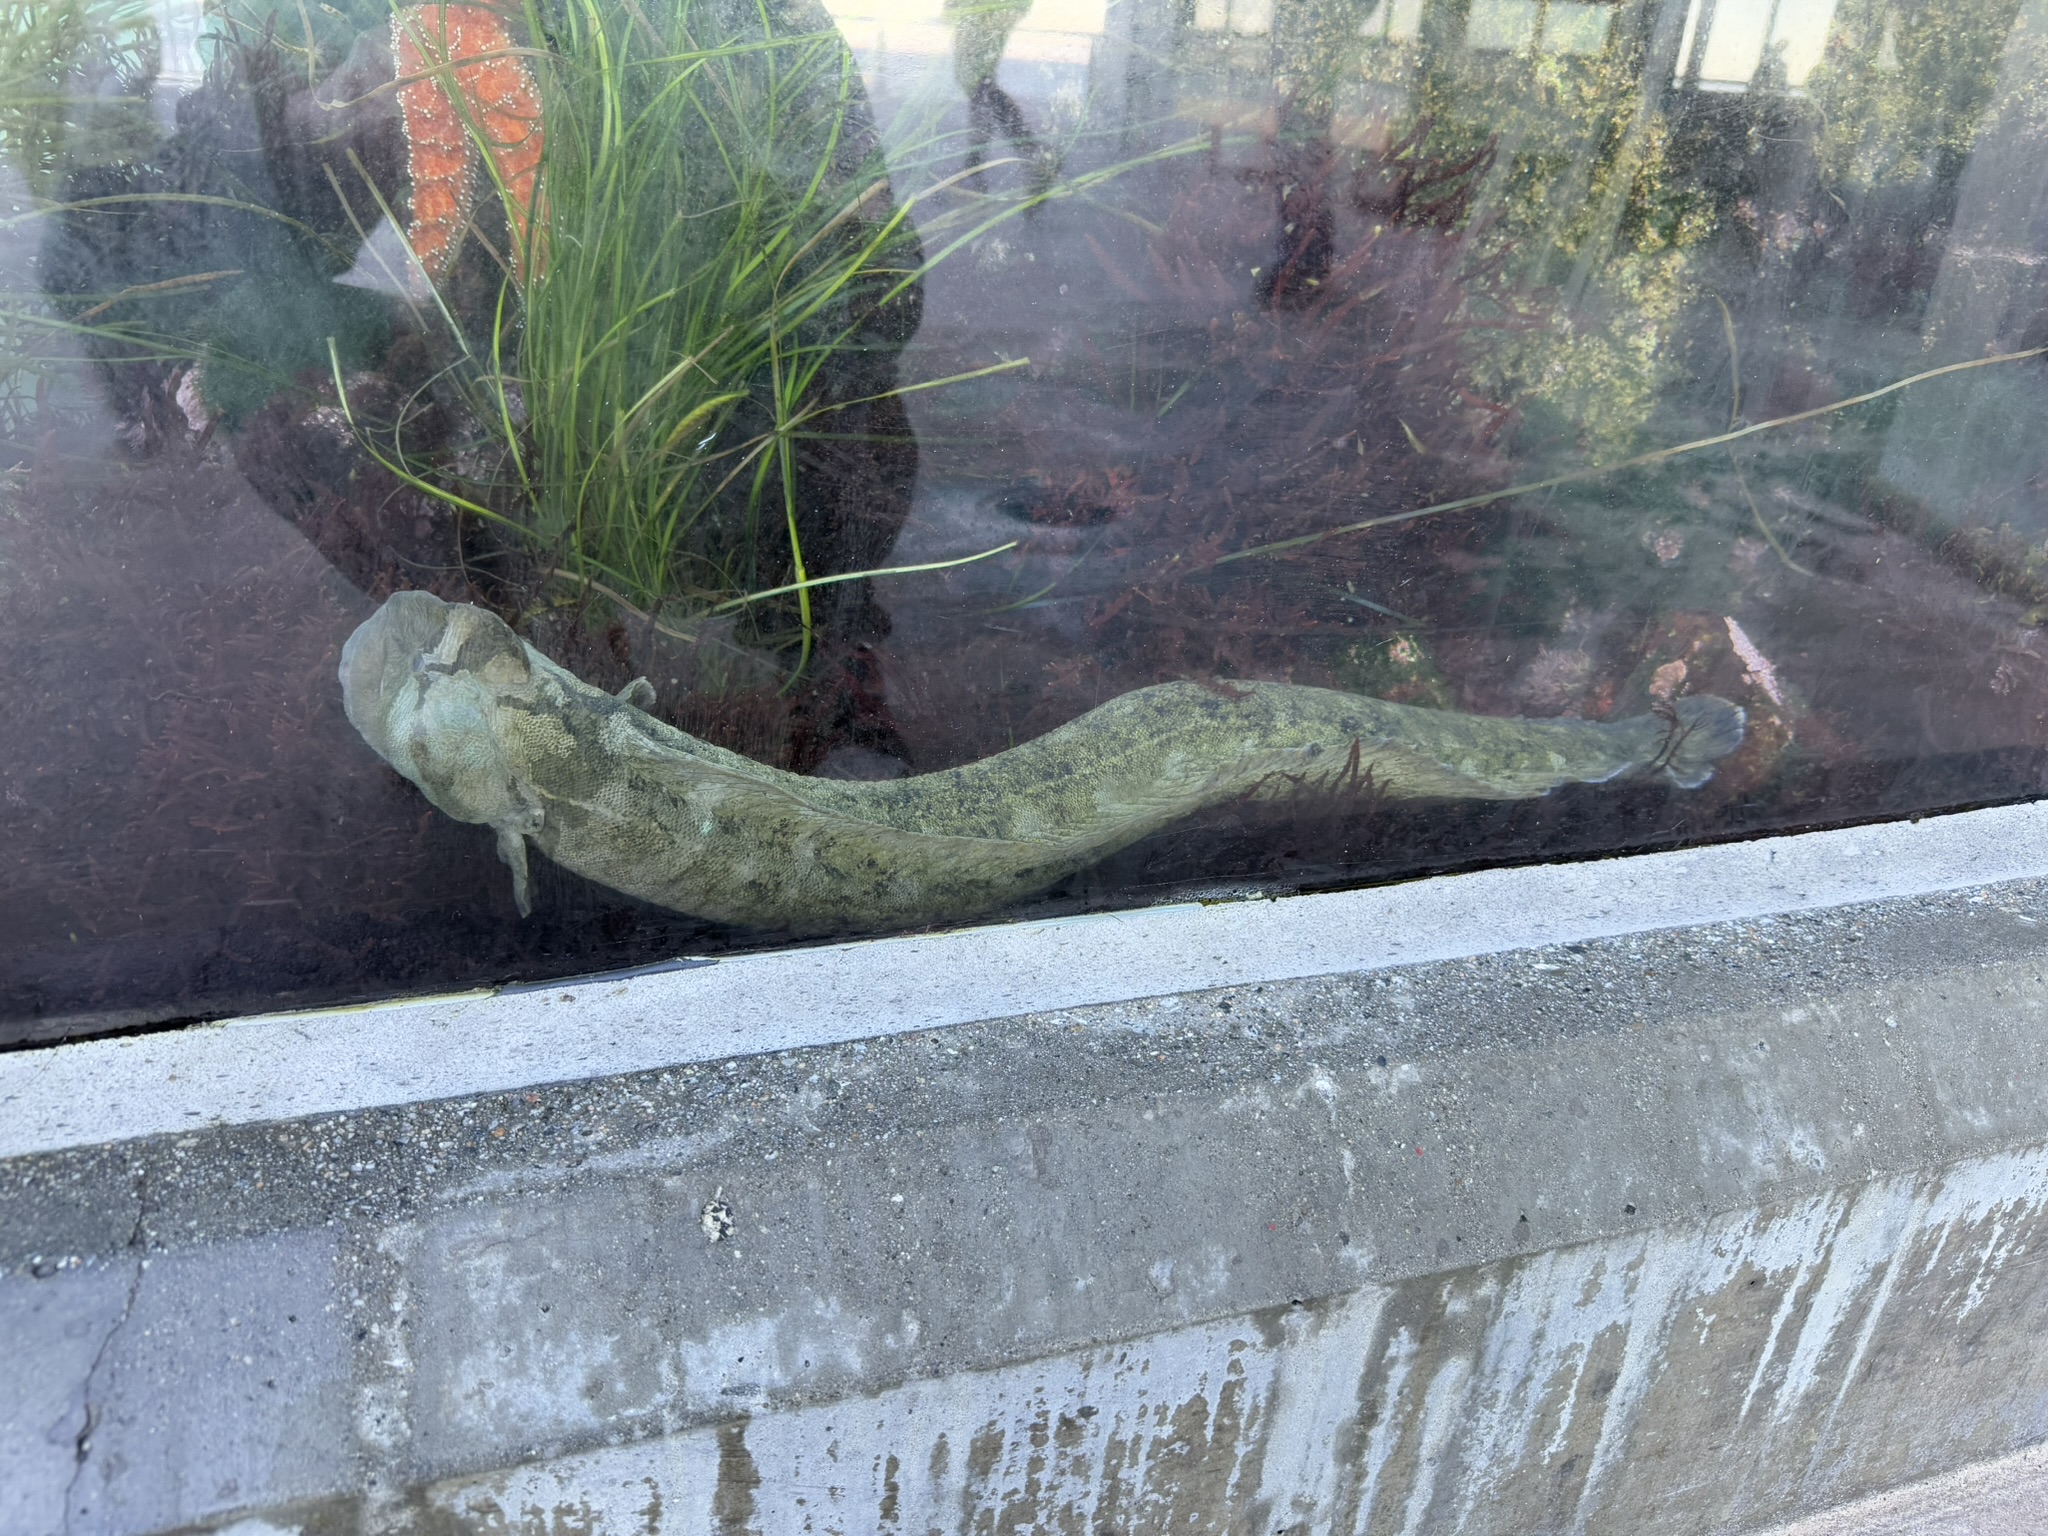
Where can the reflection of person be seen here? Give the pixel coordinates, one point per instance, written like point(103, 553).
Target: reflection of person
point(1314, 47)
point(981, 29)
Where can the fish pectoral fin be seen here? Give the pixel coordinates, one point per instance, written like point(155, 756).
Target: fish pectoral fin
point(639, 693)
point(512, 849)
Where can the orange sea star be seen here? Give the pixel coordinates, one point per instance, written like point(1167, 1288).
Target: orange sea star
point(471, 48)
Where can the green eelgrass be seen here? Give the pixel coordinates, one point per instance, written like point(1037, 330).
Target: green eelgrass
point(709, 285)
point(709, 289)
point(708, 258)
point(703, 252)
point(717, 280)
point(74, 83)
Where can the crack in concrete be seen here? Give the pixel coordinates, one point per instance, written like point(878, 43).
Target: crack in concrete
point(81, 1445)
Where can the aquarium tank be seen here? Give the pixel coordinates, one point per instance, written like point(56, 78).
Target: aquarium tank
point(492, 492)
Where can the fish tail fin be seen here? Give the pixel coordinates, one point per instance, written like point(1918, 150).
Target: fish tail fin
point(1696, 733)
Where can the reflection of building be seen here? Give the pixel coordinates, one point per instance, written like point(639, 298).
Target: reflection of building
point(1726, 46)
point(1971, 449)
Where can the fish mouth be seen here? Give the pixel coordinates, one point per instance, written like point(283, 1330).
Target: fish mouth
point(380, 658)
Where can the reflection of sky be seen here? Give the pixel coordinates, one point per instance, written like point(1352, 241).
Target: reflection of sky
point(1051, 32)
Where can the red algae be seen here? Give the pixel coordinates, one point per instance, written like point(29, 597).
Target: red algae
point(470, 48)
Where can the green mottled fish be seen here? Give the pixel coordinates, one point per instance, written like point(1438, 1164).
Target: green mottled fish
point(494, 733)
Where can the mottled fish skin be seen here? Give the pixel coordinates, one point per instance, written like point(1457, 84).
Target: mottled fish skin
point(496, 734)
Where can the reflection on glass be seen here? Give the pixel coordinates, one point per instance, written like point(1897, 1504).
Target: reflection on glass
point(1734, 43)
point(1395, 20)
point(1507, 24)
point(1232, 447)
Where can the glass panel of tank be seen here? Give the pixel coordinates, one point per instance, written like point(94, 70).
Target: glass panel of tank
point(497, 491)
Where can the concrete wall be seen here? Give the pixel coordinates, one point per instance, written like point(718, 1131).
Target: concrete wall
point(1680, 1380)
point(1690, 1230)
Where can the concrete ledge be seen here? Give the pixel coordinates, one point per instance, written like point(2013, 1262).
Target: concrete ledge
point(1682, 1229)
point(338, 1060)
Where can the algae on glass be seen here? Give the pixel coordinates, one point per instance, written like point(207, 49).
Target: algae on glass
point(1595, 237)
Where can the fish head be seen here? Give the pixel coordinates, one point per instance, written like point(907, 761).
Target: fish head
point(428, 684)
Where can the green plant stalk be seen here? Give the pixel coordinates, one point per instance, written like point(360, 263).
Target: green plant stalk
point(396, 465)
point(690, 214)
point(1640, 461)
point(1735, 420)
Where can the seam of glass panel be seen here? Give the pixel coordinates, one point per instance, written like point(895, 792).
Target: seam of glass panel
point(284, 1066)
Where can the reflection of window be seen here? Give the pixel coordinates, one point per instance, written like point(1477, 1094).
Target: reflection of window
point(1565, 26)
point(1051, 32)
point(180, 68)
point(1735, 42)
point(1800, 34)
point(1782, 38)
point(1249, 18)
point(1501, 24)
point(1398, 20)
